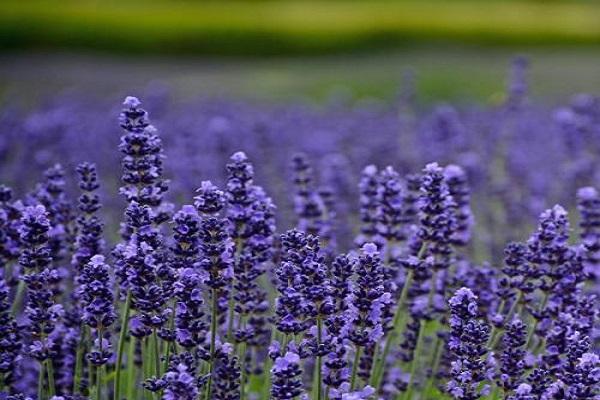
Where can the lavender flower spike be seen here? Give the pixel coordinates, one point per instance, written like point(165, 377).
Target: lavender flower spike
point(467, 342)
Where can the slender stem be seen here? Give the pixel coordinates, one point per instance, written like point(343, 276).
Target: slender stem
point(357, 355)
point(535, 323)
point(243, 371)
point(267, 383)
point(18, 298)
point(79, 360)
point(437, 354)
point(51, 386)
point(414, 363)
point(398, 324)
point(231, 303)
point(131, 370)
point(40, 389)
point(121, 346)
point(230, 315)
point(397, 327)
point(495, 336)
point(317, 385)
point(169, 344)
point(213, 338)
point(99, 368)
point(156, 353)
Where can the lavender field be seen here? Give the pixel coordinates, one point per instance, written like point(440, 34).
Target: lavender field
point(218, 248)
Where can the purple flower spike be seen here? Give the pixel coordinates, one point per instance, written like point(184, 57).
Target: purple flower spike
point(467, 342)
point(286, 377)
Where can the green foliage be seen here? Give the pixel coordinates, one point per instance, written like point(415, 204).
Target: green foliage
point(288, 27)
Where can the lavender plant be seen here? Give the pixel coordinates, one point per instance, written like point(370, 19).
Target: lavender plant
point(232, 298)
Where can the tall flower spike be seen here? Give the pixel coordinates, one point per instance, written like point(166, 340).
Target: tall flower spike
point(588, 203)
point(239, 194)
point(308, 205)
point(366, 309)
point(549, 254)
point(142, 156)
point(9, 234)
point(390, 216)
point(186, 229)
point(290, 305)
point(142, 268)
point(98, 309)
point(51, 194)
point(512, 358)
point(88, 240)
point(10, 342)
point(214, 242)
point(190, 320)
point(369, 207)
point(458, 188)
point(181, 384)
point(227, 378)
point(467, 342)
point(286, 377)
point(41, 310)
point(437, 220)
point(251, 216)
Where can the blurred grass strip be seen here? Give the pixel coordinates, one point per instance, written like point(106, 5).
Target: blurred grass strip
point(288, 27)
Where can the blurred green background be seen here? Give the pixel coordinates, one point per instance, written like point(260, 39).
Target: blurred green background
point(296, 48)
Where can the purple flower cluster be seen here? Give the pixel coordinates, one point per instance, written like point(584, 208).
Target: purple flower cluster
point(214, 302)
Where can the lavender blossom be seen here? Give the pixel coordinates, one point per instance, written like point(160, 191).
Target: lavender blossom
point(180, 384)
point(214, 242)
point(9, 234)
point(89, 241)
point(513, 354)
point(308, 205)
point(437, 220)
point(467, 342)
point(291, 305)
point(458, 188)
point(286, 377)
point(97, 301)
point(369, 206)
point(11, 338)
point(226, 378)
point(588, 202)
point(142, 156)
point(41, 310)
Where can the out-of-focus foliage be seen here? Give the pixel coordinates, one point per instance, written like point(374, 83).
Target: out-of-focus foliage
point(288, 27)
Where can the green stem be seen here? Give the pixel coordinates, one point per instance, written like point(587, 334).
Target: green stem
point(99, 368)
point(131, 370)
point(414, 363)
point(535, 323)
point(79, 360)
point(317, 385)
point(51, 386)
point(16, 306)
point(213, 337)
point(357, 355)
point(156, 353)
point(267, 383)
point(243, 370)
point(397, 327)
point(169, 344)
point(40, 389)
point(121, 346)
point(437, 354)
